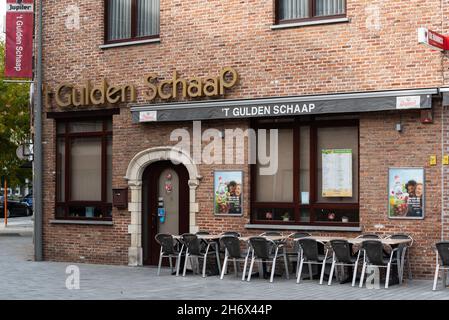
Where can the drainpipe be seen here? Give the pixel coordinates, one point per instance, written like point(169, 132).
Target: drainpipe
point(37, 163)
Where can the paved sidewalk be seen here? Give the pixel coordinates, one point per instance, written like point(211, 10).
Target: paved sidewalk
point(26, 279)
point(17, 225)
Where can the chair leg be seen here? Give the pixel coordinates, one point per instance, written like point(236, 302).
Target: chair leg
point(187, 257)
point(171, 263)
point(235, 268)
point(297, 264)
point(159, 264)
point(298, 278)
point(178, 264)
point(322, 271)
point(387, 278)
point(204, 265)
point(362, 276)
point(287, 274)
point(225, 265)
point(435, 280)
point(273, 267)
point(354, 275)
point(244, 267)
point(251, 268)
point(331, 274)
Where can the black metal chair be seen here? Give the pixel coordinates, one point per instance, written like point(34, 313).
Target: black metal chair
point(373, 255)
point(233, 251)
point(199, 233)
point(442, 263)
point(293, 254)
point(342, 257)
point(404, 253)
point(195, 250)
point(261, 249)
point(168, 250)
point(308, 253)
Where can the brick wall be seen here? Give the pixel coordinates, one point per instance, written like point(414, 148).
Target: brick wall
point(362, 55)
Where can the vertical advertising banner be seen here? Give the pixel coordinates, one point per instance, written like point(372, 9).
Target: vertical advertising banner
point(19, 39)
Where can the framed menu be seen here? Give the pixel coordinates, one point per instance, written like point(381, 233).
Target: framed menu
point(337, 173)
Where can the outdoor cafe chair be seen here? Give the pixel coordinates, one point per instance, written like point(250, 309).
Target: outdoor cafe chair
point(372, 251)
point(195, 250)
point(308, 253)
point(234, 252)
point(168, 250)
point(442, 262)
point(261, 249)
point(404, 252)
point(295, 247)
point(342, 257)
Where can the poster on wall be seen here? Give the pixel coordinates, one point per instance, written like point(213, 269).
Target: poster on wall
point(337, 173)
point(228, 192)
point(406, 193)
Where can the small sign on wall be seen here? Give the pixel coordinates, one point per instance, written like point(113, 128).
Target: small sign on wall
point(406, 193)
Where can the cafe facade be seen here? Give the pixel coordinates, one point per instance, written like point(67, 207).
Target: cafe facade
point(163, 116)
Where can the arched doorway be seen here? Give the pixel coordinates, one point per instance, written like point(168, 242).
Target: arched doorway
point(165, 205)
point(134, 175)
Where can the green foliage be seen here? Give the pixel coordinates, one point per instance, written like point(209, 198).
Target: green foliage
point(14, 125)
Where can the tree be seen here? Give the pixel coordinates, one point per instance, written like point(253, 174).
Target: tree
point(14, 125)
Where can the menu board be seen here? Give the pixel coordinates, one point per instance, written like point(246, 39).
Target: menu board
point(337, 173)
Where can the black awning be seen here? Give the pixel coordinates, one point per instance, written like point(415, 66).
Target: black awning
point(285, 106)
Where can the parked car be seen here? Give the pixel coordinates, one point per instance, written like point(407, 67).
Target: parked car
point(15, 208)
point(28, 199)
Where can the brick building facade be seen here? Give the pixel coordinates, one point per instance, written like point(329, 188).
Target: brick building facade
point(369, 48)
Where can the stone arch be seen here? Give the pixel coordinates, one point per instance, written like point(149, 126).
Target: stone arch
point(134, 174)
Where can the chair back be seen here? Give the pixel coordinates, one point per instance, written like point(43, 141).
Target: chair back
point(192, 243)
point(309, 249)
point(166, 243)
point(298, 235)
point(369, 236)
point(342, 250)
point(374, 251)
point(443, 252)
point(232, 244)
point(261, 247)
point(231, 233)
point(202, 233)
point(271, 233)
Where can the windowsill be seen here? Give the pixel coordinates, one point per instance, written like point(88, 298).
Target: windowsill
point(83, 222)
point(308, 23)
point(129, 43)
point(308, 228)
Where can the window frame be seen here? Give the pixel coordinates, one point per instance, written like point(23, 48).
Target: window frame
point(104, 134)
point(312, 14)
point(134, 36)
point(296, 205)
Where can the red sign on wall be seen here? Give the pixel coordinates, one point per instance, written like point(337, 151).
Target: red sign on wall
point(433, 39)
point(19, 39)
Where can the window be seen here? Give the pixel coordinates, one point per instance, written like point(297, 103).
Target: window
point(129, 20)
point(296, 10)
point(84, 169)
point(293, 194)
